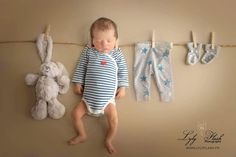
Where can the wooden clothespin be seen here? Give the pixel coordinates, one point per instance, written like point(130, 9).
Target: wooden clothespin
point(153, 38)
point(212, 40)
point(47, 31)
point(194, 39)
point(171, 44)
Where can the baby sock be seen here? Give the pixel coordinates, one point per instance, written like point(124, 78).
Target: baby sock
point(210, 53)
point(193, 53)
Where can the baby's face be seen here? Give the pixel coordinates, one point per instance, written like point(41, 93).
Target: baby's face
point(104, 41)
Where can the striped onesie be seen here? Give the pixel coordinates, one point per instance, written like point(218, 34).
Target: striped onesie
point(100, 74)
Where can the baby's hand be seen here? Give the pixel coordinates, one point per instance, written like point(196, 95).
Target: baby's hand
point(120, 92)
point(79, 89)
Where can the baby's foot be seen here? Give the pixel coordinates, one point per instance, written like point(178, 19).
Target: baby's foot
point(110, 148)
point(77, 139)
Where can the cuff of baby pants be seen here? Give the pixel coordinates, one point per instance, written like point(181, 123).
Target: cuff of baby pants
point(166, 96)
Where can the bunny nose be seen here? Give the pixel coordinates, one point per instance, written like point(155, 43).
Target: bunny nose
point(47, 67)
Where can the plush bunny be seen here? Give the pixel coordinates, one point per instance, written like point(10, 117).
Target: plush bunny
point(51, 80)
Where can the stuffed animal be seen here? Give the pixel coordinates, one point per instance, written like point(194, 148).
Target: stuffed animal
point(52, 80)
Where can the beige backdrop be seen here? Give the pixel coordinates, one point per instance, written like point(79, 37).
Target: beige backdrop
point(203, 93)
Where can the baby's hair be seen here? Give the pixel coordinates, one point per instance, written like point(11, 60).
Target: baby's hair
point(103, 24)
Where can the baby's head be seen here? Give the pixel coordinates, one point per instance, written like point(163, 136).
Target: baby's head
point(104, 34)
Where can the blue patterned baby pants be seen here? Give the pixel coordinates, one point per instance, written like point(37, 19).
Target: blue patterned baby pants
point(153, 61)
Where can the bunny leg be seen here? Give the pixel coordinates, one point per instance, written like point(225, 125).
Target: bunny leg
point(39, 111)
point(55, 109)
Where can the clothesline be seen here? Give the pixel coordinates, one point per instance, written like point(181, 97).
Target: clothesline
point(80, 44)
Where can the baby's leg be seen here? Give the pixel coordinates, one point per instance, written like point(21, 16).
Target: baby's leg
point(112, 118)
point(77, 115)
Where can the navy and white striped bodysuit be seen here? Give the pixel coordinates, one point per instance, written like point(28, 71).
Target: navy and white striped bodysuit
point(100, 74)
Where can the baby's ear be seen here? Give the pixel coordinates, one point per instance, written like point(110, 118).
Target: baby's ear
point(90, 41)
point(117, 43)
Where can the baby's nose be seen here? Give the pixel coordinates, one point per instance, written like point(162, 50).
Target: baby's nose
point(104, 42)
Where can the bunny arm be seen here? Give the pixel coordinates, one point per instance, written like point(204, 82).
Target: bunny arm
point(31, 79)
point(63, 79)
point(64, 84)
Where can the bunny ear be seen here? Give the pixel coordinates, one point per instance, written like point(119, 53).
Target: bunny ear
point(44, 45)
point(49, 49)
point(41, 47)
point(62, 68)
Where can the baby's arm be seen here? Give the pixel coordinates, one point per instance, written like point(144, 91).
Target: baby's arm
point(80, 72)
point(79, 89)
point(120, 92)
point(122, 75)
